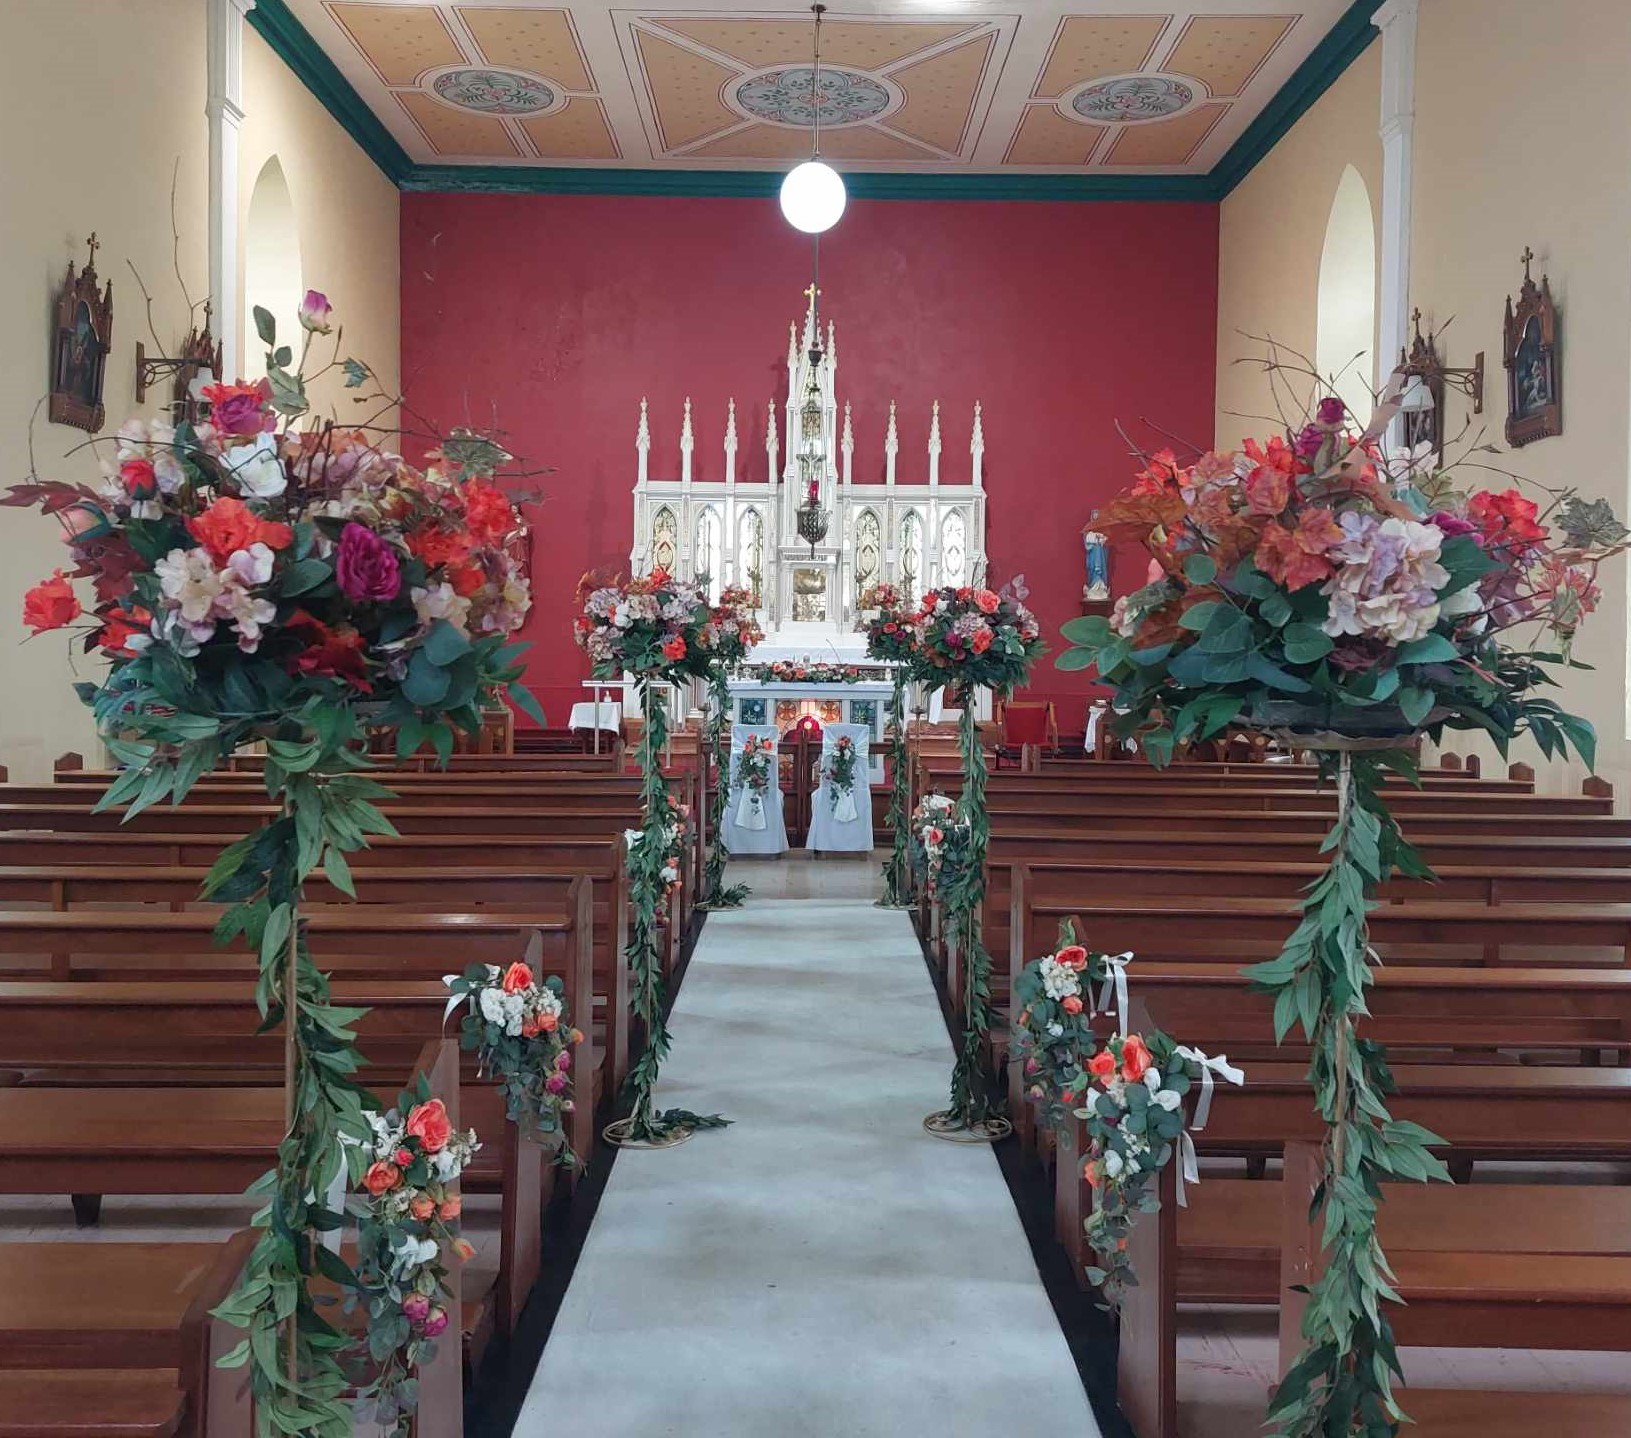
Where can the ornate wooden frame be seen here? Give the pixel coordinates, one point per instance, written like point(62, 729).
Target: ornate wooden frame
point(79, 358)
point(1525, 424)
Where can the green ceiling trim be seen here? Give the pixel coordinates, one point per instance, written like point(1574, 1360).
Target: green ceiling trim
point(1346, 41)
point(294, 45)
point(760, 184)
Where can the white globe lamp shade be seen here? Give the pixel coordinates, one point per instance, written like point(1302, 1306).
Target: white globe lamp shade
point(813, 197)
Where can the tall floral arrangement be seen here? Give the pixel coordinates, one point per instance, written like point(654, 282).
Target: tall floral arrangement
point(973, 638)
point(1349, 598)
point(662, 630)
point(738, 632)
point(262, 575)
point(886, 622)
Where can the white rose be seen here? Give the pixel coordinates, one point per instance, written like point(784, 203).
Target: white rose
point(256, 467)
point(492, 1006)
point(1113, 1164)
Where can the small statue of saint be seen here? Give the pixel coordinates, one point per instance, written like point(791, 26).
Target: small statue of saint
point(1096, 556)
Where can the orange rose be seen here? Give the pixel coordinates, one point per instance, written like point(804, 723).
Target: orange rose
point(517, 977)
point(1135, 1058)
point(1102, 1064)
point(548, 1023)
point(451, 1208)
point(423, 1207)
point(1093, 1173)
point(229, 525)
point(439, 546)
point(466, 579)
point(1072, 956)
point(430, 1124)
point(985, 601)
point(529, 1027)
point(981, 641)
point(50, 604)
point(463, 1249)
point(1071, 1004)
point(674, 649)
point(119, 628)
point(381, 1178)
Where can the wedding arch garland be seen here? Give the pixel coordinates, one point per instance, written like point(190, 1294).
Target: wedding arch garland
point(663, 631)
point(738, 634)
point(255, 580)
point(1349, 599)
point(973, 638)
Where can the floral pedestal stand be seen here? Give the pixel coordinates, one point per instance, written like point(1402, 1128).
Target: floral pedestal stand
point(897, 868)
point(970, 1119)
point(1340, 1384)
point(649, 850)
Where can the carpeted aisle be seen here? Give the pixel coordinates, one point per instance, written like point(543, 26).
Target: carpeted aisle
point(823, 1267)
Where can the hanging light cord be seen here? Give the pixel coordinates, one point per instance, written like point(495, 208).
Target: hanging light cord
point(815, 154)
point(815, 73)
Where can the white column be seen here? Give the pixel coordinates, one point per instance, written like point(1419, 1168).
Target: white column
point(976, 450)
point(847, 448)
point(688, 443)
point(642, 449)
point(1396, 19)
point(730, 576)
point(891, 448)
point(224, 108)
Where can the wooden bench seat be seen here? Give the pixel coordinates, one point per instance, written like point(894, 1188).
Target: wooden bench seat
point(117, 1339)
point(1470, 1413)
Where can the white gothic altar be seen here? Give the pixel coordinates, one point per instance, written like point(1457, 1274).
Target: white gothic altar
point(916, 529)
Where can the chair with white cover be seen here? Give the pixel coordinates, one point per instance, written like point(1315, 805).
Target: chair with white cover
point(753, 819)
point(842, 822)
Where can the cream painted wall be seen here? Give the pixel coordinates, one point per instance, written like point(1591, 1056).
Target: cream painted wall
point(346, 212)
point(101, 161)
point(1271, 234)
point(1497, 168)
point(107, 165)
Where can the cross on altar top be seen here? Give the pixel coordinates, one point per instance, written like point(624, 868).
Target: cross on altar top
point(95, 245)
point(811, 293)
point(1528, 254)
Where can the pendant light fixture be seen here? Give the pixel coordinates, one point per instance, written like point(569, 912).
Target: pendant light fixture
point(813, 196)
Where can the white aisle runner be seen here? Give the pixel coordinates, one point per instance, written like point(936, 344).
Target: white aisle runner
point(823, 1267)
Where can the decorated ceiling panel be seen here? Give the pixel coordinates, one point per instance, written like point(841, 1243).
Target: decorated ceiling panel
point(1112, 87)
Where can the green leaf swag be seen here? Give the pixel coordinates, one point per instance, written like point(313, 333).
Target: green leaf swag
point(886, 624)
point(971, 639)
point(517, 1026)
point(257, 581)
point(739, 632)
point(1350, 600)
point(663, 631)
point(1129, 1090)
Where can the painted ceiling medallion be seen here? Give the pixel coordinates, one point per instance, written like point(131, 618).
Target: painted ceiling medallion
point(1134, 98)
point(783, 96)
point(494, 92)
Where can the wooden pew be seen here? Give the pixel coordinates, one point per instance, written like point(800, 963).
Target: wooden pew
point(129, 1140)
point(75, 1361)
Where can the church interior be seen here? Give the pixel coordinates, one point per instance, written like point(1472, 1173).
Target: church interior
point(596, 598)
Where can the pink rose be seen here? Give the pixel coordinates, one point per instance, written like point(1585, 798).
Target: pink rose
point(366, 566)
point(415, 1307)
point(435, 1323)
point(315, 311)
point(563, 1060)
point(556, 1083)
point(1331, 411)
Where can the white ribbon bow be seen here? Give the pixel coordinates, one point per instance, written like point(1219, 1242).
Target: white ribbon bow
point(1112, 998)
point(1212, 1069)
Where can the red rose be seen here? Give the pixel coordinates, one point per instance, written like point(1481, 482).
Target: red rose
point(1135, 1058)
point(1506, 519)
point(119, 628)
point(403, 1157)
point(439, 546)
point(674, 649)
point(381, 1178)
point(50, 604)
point(430, 1124)
point(229, 525)
point(1102, 1064)
point(466, 579)
point(335, 653)
point(139, 479)
point(981, 641)
point(517, 977)
point(1072, 956)
point(1071, 1004)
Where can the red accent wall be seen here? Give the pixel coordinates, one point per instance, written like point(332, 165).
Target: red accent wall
point(552, 315)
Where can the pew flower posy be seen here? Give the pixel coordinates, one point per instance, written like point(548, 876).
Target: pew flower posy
point(935, 835)
point(841, 773)
point(407, 1209)
point(1129, 1091)
point(519, 1029)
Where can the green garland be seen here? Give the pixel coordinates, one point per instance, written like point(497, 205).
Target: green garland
point(293, 1352)
point(647, 890)
point(717, 742)
point(897, 868)
point(963, 892)
point(1342, 1383)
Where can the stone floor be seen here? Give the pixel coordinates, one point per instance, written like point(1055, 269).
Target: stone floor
point(822, 1267)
